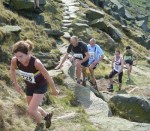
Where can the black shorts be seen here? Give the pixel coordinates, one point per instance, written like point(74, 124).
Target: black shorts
point(36, 90)
point(85, 64)
point(115, 72)
point(130, 62)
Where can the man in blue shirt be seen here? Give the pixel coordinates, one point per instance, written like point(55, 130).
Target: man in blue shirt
point(96, 55)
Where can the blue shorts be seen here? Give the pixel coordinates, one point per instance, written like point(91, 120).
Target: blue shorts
point(36, 90)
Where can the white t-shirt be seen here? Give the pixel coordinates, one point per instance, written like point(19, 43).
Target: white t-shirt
point(117, 64)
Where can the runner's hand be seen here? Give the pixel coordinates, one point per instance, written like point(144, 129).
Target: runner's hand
point(18, 89)
point(55, 92)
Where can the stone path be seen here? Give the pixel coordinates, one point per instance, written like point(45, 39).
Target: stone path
point(70, 13)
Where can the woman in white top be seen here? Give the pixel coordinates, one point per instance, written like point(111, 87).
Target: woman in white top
point(117, 69)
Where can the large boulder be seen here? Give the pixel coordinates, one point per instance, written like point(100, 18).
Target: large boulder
point(117, 7)
point(56, 33)
point(133, 108)
point(142, 24)
point(10, 29)
point(128, 16)
point(93, 14)
point(99, 23)
point(24, 4)
point(114, 32)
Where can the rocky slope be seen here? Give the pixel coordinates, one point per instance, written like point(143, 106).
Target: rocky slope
point(50, 32)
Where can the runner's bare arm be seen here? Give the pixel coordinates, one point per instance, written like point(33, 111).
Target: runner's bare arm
point(13, 75)
point(12, 71)
point(101, 58)
point(62, 61)
point(87, 56)
point(39, 66)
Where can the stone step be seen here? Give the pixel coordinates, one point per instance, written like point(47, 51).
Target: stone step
point(72, 4)
point(66, 21)
point(67, 24)
point(64, 29)
point(66, 17)
point(68, 1)
point(66, 35)
point(73, 9)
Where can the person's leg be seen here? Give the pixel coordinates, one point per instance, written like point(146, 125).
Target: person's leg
point(111, 75)
point(36, 3)
point(43, 113)
point(84, 75)
point(33, 107)
point(128, 70)
point(78, 70)
point(120, 80)
point(92, 73)
point(37, 7)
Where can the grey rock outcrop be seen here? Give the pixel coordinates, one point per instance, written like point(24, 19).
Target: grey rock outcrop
point(55, 33)
point(10, 29)
point(93, 14)
point(25, 4)
point(114, 32)
point(99, 23)
point(131, 107)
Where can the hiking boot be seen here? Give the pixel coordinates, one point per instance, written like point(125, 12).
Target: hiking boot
point(84, 83)
point(48, 120)
point(39, 127)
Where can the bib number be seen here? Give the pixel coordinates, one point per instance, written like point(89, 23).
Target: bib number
point(80, 56)
point(128, 58)
point(92, 55)
point(117, 68)
point(27, 76)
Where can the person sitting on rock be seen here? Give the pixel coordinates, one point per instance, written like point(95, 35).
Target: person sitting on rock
point(81, 58)
point(117, 69)
point(96, 55)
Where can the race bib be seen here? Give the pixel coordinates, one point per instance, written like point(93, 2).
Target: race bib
point(128, 58)
point(27, 76)
point(92, 55)
point(117, 68)
point(80, 56)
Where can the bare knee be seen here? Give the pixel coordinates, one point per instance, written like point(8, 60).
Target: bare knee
point(31, 112)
